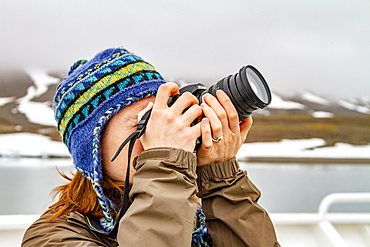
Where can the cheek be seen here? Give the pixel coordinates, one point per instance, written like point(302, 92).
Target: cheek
point(117, 169)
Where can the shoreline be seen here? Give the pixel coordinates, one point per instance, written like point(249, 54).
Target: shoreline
point(277, 160)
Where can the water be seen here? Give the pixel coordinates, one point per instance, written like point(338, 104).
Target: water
point(25, 184)
point(296, 188)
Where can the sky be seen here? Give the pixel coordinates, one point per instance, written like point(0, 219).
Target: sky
point(317, 46)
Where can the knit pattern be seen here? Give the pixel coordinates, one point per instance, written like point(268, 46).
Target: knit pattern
point(100, 65)
point(92, 98)
point(76, 64)
point(107, 205)
point(75, 101)
point(88, 97)
point(200, 236)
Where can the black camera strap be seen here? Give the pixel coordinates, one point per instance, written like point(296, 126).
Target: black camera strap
point(132, 139)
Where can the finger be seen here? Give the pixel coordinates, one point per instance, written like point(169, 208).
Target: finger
point(196, 130)
point(216, 126)
point(142, 112)
point(232, 114)
point(211, 101)
point(184, 101)
point(245, 126)
point(191, 114)
point(206, 133)
point(163, 94)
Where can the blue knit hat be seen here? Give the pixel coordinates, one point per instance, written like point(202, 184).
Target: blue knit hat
point(93, 92)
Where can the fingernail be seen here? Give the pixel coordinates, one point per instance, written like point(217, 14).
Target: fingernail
point(208, 95)
point(203, 97)
point(220, 91)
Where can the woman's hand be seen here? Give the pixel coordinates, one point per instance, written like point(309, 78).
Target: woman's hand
point(221, 119)
point(169, 126)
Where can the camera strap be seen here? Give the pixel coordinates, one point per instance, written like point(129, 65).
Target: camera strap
point(132, 139)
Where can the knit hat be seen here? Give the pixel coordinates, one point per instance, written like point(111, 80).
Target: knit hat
point(93, 92)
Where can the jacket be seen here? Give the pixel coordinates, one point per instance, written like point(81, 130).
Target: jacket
point(162, 211)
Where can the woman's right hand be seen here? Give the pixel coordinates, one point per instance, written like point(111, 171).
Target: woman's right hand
point(170, 126)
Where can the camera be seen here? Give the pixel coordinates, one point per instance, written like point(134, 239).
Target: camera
point(247, 90)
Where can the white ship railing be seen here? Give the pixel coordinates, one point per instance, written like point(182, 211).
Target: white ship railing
point(326, 224)
point(293, 229)
point(324, 228)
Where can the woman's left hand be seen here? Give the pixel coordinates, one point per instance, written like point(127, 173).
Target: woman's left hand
point(221, 119)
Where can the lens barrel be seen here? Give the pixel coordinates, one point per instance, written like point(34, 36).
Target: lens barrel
point(247, 90)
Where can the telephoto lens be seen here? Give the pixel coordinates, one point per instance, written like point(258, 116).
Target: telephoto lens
point(247, 90)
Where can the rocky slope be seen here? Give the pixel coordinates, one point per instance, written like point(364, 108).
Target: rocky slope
point(26, 99)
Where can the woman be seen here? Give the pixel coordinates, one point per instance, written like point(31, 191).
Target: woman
point(97, 106)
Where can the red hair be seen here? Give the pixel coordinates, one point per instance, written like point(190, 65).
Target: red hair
point(79, 195)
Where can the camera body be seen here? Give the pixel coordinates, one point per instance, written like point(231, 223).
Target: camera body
point(247, 90)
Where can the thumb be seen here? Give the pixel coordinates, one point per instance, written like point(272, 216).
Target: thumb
point(245, 126)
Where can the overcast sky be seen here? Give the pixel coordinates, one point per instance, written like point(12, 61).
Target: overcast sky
point(320, 46)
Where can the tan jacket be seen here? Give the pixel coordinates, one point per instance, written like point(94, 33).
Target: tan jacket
point(162, 212)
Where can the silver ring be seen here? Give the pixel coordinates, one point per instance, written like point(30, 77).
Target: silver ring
point(218, 139)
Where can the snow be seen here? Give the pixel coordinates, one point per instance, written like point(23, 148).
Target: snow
point(360, 101)
point(278, 103)
point(354, 107)
point(26, 144)
point(364, 100)
point(6, 100)
point(306, 148)
point(322, 114)
point(314, 98)
point(38, 112)
point(41, 79)
point(33, 145)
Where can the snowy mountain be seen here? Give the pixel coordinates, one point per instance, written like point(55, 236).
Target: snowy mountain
point(28, 127)
point(317, 106)
point(26, 96)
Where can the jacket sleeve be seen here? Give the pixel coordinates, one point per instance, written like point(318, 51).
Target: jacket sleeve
point(162, 211)
point(229, 199)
